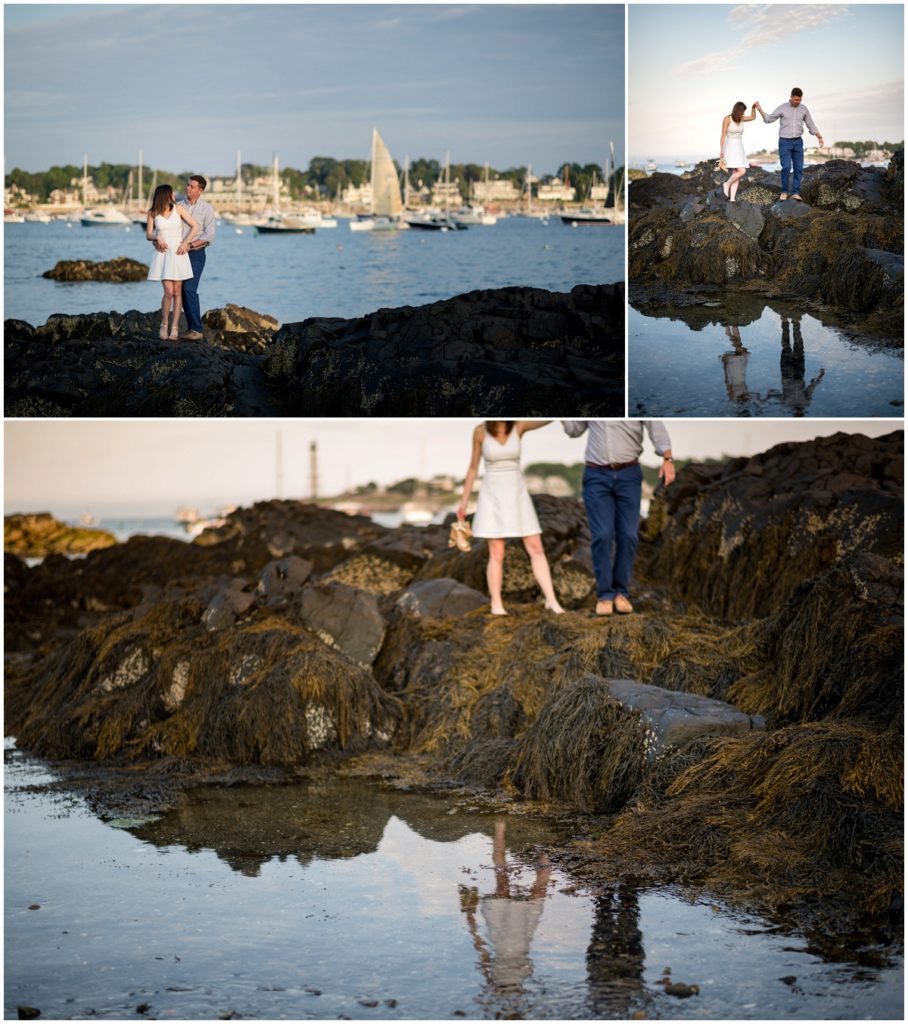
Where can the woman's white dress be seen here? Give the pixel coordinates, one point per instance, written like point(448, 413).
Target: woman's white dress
point(504, 507)
point(734, 146)
point(167, 266)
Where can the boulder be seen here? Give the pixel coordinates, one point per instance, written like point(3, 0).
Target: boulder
point(674, 718)
point(281, 581)
point(441, 599)
point(239, 328)
point(38, 534)
point(345, 618)
point(227, 606)
point(114, 271)
point(745, 217)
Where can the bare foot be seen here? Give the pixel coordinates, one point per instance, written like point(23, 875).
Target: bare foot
point(498, 611)
point(604, 607)
point(555, 608)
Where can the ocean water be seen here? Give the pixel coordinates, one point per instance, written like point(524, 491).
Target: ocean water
point(760, 360)
point(335, 272)
point(337, 898)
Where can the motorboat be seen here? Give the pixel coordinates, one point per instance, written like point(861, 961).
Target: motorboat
point(11, 217)
point(105, 217)
point(434, 222)
point(283, 224)
point(472, 215)
point(591, 216)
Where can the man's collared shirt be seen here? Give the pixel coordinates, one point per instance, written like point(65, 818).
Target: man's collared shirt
point(612, 442)
point(204, 214)
point(792, 120)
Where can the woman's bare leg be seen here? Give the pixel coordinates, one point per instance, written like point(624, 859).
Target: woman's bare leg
point(735, 180)
point(494, 574)
point(165, 308)
point(541, 571)
point(177, 309)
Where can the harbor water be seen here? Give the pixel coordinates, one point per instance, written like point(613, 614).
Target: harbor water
point(755, 359)
point(338, 898)
point(335, 272)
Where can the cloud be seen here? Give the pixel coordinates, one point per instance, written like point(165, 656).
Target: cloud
point(761, 24)
point(452, 13)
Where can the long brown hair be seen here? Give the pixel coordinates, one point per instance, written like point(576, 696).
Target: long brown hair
point(490, 426)
point(162, 201)
point(738, 111)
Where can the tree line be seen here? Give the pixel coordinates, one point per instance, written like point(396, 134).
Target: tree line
point(324, 177)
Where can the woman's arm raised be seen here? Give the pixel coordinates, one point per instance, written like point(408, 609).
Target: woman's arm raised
point(194, 226)
point(522, 426)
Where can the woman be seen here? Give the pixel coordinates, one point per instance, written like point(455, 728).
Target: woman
point(731, 147)
point(504, 508)
point(171, 267)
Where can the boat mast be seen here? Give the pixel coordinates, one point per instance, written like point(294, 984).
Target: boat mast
point(239, 181)
point(407, 180)
point(276, 186)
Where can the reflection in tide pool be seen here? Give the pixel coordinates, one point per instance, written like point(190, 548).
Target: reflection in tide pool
point(754, 359)
point(331, 898)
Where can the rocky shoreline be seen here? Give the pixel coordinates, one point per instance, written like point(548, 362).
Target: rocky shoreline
point(742, 731)
point(504, 351)
point(840, 252)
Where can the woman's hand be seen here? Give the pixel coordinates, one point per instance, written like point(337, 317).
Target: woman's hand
point(462, 511)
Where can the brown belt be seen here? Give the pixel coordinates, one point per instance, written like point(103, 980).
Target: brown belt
point(612, 465)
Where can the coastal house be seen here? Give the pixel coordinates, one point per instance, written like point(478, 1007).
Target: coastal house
point(500, 190)
point(555, 190)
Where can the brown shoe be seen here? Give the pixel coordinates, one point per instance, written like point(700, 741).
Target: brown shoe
point(796, 196)
point(783, 196)
point(604, 608)
point(622, 605)
point(192, 336)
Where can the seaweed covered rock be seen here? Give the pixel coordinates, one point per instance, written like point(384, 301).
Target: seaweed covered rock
point(115, 271)
point(239, 328)
point(739, 538)
point(842, 247)
point(159, 685)
point(346, 618)
point(523, 347)
point(38, 534)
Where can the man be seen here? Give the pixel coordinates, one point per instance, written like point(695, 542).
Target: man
point(612, 484)
point(792, 116)
point(204, 214)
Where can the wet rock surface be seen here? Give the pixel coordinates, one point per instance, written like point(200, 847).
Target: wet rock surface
point(475, 354)
point(772, 585)
point(842, 246)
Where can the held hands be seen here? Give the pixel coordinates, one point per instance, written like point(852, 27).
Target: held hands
point(160, 245)
point(183, 249)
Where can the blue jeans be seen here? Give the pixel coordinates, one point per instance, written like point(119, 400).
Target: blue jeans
point(612, 500)
point(191, 291)
point(791, 154)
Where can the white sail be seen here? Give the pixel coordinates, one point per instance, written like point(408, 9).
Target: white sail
point(385, 186)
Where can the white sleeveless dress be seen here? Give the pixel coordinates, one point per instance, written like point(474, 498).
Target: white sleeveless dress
point(167, 266)
point(504, 507)
point(734, 146)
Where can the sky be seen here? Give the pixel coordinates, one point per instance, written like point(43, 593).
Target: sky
point(152, 466)
point(689, 64)
point(191, 84)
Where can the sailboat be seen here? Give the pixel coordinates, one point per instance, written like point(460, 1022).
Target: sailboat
point(591, 216)
point(438, 221)
point(138, 213)
point(278, 223)
point(386, 201)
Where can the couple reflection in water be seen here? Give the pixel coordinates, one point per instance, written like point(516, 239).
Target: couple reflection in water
point(510, 916)
point(795, 393)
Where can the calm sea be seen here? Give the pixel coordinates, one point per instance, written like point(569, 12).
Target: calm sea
point(334, 272)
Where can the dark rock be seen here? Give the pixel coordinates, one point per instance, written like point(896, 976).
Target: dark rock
point(690, 209)
point(449, 357)
point(227, 606)
point(789, 209)
point(520, 347)
point(115, 271)
point(441, 598)
point(28, 1012)
point(745, 217)
point(282, 580)
point(346, 618)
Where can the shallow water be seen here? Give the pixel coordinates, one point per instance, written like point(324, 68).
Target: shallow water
point(316, 900)
point(756, 360)
point(334, 272)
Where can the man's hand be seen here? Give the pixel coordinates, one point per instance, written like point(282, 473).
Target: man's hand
point(667, 472)
point(160, 245)
point(821, 142)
